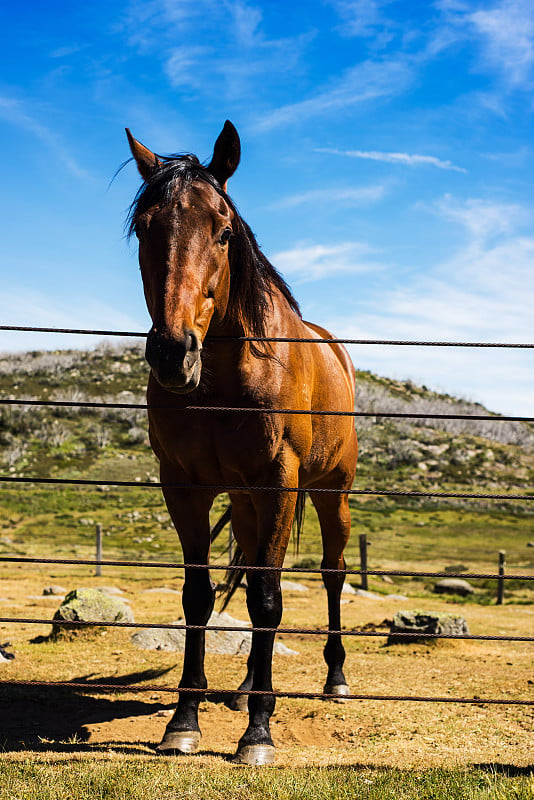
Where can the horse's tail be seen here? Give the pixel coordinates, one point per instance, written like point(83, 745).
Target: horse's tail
point(298, 519)
point(234, 576)
point(237, 567)
point(221, 522)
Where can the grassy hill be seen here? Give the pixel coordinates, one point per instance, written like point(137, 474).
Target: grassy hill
point(108, 444)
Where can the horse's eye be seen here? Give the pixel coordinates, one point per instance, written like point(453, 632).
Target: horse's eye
point(226, 235)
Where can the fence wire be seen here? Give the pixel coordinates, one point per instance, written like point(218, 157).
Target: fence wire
point(301, 570)
point(143, 335)
point(232, 488)
point(89, 404)
point(104, 687)
point(229, 693)
point(177, 626)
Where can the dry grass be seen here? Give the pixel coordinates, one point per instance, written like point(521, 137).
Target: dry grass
point(394, 735)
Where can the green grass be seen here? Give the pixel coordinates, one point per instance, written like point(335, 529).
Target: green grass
point(112, 445)
point(151, 779)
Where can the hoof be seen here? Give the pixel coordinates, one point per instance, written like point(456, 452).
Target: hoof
point(239, 702)
point(256, 755)
point(340, 691)
point(179, 742)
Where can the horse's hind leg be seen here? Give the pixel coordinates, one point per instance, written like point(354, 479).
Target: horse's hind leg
point(190, 513)
point(334, 518)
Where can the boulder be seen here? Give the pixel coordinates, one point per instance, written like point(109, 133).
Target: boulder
point(454, 586)
point(54, 590)
point(293, 586)
point(222, 642)
point(368, 595)
point(111, 590)
point(4, 654)
point(90, 605)
point(418, 622)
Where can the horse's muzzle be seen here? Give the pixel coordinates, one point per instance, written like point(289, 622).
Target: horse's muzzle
point(175, 363)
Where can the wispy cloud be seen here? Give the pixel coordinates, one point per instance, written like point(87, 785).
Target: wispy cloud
point(482, 292)
point(364, 18)
point(23, 305)
point(313, 262)
point(14, 112)
point(507, 31)
point(335, 195)
point(407, 159)
point(367, 81)
point(182, 67)
point(223, 44)
point(483, 219)
point(505, 35)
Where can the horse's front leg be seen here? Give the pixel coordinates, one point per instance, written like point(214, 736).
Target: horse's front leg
point(190, 514)
point(264, 600)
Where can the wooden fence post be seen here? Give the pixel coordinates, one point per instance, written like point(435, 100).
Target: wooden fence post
point(363, 560)
point(500, 583)
point(98, 570)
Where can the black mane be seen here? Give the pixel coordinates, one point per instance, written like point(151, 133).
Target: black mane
point(252, 277)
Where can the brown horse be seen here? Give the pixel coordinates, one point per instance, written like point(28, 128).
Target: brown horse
point(206, 284)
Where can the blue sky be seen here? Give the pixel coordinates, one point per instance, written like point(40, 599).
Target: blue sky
point(387, 165)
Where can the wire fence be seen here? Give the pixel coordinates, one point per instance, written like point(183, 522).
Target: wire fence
point(121, 687)
point(299, 570)
point(30, 403)
point(394, 342)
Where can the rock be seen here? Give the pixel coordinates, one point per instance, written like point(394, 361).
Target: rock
point(453, 586)
point(110, 590)
point(4, 654)
point(530, 544)
point(90, 605)
point(48, 590)
point(222, 642)
point(386, 579)
point(292, 586)
point(348, 589)
point(396, 597)
point(161, 590)
point(368, 595)
point(417, 622)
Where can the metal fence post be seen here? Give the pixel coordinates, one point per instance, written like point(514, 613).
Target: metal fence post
point(500, 582)
point(98, 570)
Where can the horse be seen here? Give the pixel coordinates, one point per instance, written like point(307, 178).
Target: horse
point(212, 296)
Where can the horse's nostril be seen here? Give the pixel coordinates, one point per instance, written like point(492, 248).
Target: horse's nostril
point(191, 359)
point(192, 343)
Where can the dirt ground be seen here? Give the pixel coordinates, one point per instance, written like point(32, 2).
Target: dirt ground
point(306, 732)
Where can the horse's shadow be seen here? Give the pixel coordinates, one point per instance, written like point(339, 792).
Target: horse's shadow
point(55, 718)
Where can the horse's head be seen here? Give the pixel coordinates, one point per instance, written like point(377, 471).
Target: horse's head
point(183, 221)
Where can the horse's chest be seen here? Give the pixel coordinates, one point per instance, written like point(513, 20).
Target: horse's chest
point(223, 444)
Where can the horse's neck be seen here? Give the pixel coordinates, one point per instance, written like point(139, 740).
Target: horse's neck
point(231, 365)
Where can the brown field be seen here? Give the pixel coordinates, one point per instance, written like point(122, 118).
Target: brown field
point(65, 722)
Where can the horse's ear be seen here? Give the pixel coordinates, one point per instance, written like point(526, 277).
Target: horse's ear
point(226, 154)
point(147, 161)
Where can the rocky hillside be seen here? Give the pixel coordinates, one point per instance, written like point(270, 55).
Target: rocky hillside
point(435, 453)
point(112, 444)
